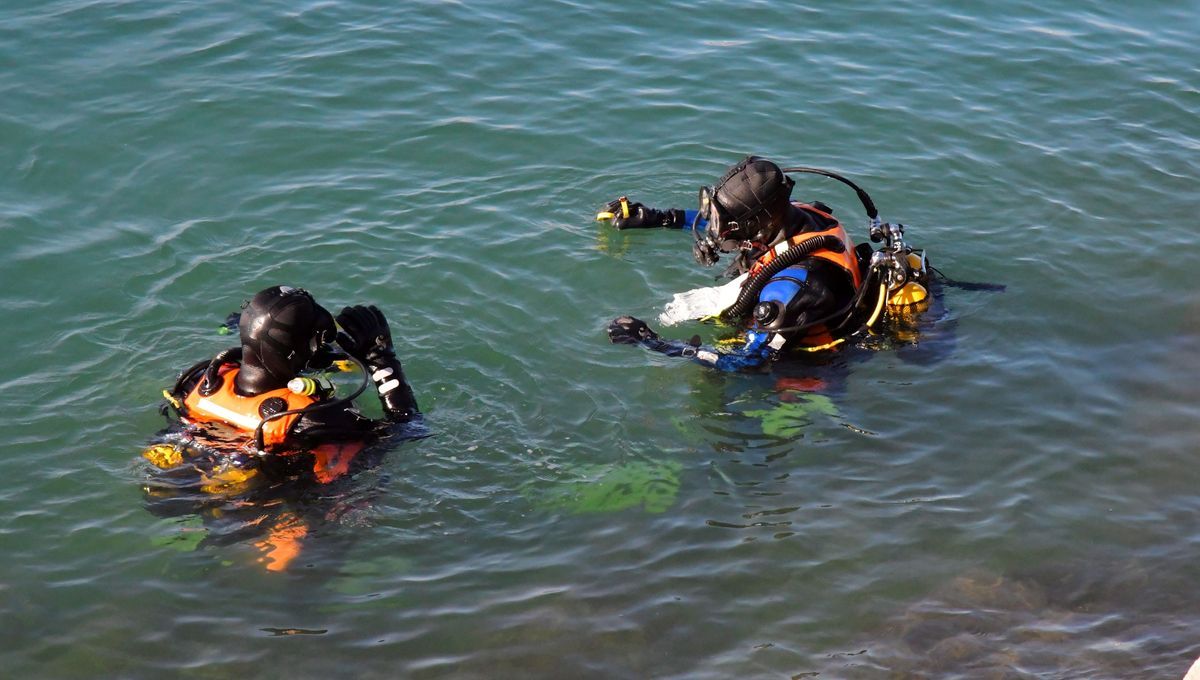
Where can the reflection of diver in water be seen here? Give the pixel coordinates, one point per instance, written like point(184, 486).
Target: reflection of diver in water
point(803, 285)
point(256, 427)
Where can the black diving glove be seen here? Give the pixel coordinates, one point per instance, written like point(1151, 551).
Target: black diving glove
point(627, 330)
point(366, 336)
point(641, 217)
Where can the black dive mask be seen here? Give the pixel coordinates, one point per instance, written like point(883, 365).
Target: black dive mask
point(707, 248)
point(756, 188)
point(722, 234)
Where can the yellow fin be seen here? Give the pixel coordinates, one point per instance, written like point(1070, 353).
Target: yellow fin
point(163, 456)
point(228, 480)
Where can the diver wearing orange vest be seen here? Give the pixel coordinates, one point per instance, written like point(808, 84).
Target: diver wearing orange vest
point(749, 212)
point(257, 389)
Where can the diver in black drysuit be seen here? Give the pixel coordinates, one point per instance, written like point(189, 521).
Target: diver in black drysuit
point(749, 212)
point(284, 332)
point(252, 473)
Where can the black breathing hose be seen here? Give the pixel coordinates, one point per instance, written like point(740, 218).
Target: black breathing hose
point(209, 384)
point(750, 290)
point(754, 285)
point(868, 204)
point(749, 295)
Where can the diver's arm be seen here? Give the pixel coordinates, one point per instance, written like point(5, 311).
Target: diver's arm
point(395, 394)
point(690, 221)
point(627, 215)
point(630, 331)
point(368, 338)
point(753, 354)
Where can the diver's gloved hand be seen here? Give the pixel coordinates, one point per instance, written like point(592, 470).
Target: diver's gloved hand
point(626, 215)
point(366, 336)
point(626, 330)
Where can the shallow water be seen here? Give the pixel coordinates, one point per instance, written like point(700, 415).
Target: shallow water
point(1011, 497)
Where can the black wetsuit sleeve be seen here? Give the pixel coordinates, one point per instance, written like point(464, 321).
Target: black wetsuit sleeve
point(395, 394)
point(643, 217)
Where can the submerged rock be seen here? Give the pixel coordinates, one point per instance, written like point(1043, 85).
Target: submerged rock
point(1085, 619)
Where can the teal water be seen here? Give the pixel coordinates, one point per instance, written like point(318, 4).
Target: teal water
point(1015, 496)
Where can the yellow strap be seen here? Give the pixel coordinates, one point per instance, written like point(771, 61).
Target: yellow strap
point(173, 401)
point(716, 320)
point(827, 345)
point(878, 305)
point(608, 215)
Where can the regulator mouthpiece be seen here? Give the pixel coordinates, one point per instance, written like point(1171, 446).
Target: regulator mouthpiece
point(705, 253)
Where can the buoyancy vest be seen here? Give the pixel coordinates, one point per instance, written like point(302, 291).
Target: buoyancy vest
point(845, 259)
point(817, 337)
point(245, 413)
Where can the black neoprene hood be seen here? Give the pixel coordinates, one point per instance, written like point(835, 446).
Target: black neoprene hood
point(753, 187)
point(281, 327)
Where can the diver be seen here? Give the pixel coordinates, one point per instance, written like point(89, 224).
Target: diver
point(802, 285)
point(255, 404)
point(258, 430)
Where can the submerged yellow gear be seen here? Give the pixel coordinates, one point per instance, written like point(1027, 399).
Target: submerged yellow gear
point(227, 481)
point(912, 293)
point(163, 456)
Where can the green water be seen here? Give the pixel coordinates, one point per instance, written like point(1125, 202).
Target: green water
point(1014, 496)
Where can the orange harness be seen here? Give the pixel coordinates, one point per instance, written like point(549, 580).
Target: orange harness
point(331, 460)
point(819, 336)
point(244, 413)
point(844, 259)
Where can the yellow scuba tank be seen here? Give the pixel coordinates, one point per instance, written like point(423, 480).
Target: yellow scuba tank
point(912, 296)
point(911, 293)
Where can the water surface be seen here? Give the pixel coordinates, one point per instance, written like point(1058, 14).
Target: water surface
point(1014, 495)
